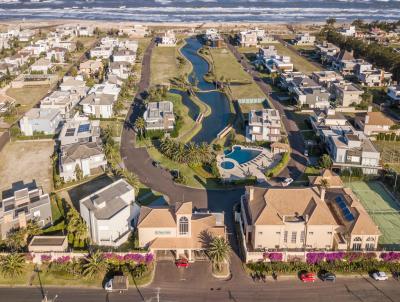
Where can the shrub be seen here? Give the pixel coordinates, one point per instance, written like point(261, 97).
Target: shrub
point(278, 168)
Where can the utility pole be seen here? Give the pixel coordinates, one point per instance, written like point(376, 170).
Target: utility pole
point(158, 294)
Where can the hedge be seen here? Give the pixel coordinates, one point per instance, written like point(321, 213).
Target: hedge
point(279, 167)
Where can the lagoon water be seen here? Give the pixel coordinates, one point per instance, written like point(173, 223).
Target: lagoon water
point(202, 10)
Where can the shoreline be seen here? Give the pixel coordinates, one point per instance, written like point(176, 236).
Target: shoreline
point(103, 23)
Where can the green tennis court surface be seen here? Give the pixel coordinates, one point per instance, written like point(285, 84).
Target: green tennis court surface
point(383, 209)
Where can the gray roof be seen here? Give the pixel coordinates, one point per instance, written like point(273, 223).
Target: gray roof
point(111, 197)
point(48, 240)
point(98, 99)
point(80, 151)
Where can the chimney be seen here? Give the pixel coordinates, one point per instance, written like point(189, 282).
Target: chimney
point(369, 109)
point(251, 193)
point(366, 119)
point(322, 193)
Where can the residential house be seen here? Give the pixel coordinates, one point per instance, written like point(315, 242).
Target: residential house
point(369, 76)
point(346, 93)
point(39, 47)
point(327, 52)
point(124, 56)
point(345, 62)
point(75, 85)
point(348, 32)
point(98, 105)
point(120, 69)
point(109, 42)
point(308, 93)
point(326, 77)
point(26, 35)
point(131, 45)
point(20, 205)
point(373, 123)
point(264, 125)
point(137, 31)
point(393, 93)
point(101, 52)
point(4, 42)
point(40, 120)
point(79, 130)
point(84, 30)
point(91, 67)
point(274, 62)
point(42, 65)
point(213, 37)
point(287, 79)
point(322, 120)
point(110, 213)
point(178, 229)
point(248, 38)
point(56, 54)
point(88, 157)
point(63, 101)
point(353, 150)
point(304, 39)
point(159, 116)
point(106, 88)
point(306, 218)
point(168, 39)
point(18, 59)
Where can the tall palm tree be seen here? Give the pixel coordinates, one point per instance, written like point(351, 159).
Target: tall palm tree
point(94, 265)
point(132, 179)
point(219, 251)
point(140, 125)
point(12, 265)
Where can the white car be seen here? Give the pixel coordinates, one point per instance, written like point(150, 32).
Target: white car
point(287, 182)
point(379, 276)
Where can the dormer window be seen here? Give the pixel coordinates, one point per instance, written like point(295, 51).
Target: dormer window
point(183, 226)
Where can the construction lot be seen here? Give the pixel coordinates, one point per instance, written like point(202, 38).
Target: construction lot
point(383, 208)
point(27, 161)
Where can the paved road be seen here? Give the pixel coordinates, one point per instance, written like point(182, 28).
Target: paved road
point(184, 288)
point(298, 161)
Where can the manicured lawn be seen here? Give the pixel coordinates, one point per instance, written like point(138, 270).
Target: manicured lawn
point(300, 63)
point(245, 108)
point(164, 65)
point(390, 153)
point(226, 66)
point(183, 111)
point(115, 126)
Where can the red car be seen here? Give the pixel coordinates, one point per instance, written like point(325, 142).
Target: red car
point(307, 277)
point(182, 263)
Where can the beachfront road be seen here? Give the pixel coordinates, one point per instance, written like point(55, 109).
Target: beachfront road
point(347, 290)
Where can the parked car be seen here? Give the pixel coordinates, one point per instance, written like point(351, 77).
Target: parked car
point(287, 182)
point(307, 277)
point(327, 276)
point(117, 284)
point(156, 163)
point(305, 152)
point(396, 275)
point(182, 263)
point(379, 276)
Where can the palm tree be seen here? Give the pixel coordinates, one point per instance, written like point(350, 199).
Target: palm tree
point(324, 183)
point(94, 265)
point(140, 125)
point(33, 229)
point(12, 265)
point(132, 179)
point(219, 251)
point(16, 239)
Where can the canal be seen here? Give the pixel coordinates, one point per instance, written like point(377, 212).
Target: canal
point(217, 101)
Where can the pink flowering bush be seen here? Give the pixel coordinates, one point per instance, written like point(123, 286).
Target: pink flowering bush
point(315, 257)
point(273, 256)
point(390, 256)
point(334, 256)
point(45, 258)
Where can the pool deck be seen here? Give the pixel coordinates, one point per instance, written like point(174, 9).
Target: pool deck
point(254, 167)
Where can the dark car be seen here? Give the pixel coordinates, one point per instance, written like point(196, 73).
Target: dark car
point(327, 276)
point(156, 164)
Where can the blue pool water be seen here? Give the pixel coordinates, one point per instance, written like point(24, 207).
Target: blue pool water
point(242, 155)
point(227, 165)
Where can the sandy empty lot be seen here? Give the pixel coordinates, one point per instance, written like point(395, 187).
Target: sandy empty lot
point(26, 161)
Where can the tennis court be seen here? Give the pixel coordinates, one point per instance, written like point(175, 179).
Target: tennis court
point(383, 209)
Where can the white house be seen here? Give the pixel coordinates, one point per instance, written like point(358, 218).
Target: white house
point(264, 125)
point(348, 32)
point(304, 39)
point(110, 213)
point(42, 65)
point(106, 88)
point(124, 55)
point(40, 120)
point(89, 157)
point(393, 93)
point(168, 39)
point(98, 105)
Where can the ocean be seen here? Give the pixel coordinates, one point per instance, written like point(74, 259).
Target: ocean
point(202, 10)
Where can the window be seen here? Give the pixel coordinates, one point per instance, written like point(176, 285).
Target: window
point(370, 246)
point(183, 226)
point(36, 214)
point(278, 233)
point(302, 237)
point(370, 239)
point(356, 246)
point(357, 239)
point(259, 233)
point(329, 233)
point(285, 237)
point(310, 233)
point(294, 237)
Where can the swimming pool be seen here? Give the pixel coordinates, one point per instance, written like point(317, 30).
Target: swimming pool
point(227, 165)
point(242, 155)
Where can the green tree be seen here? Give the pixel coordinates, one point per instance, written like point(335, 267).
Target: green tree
point(79, 45)
point(94, 265)
point(78, 172)
point(12, 265)
point(140, 126)
point(325, 162)
point(16, 239)
point(74, 71)
point(218, 251)
point(33, 229)
point(330, 21)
